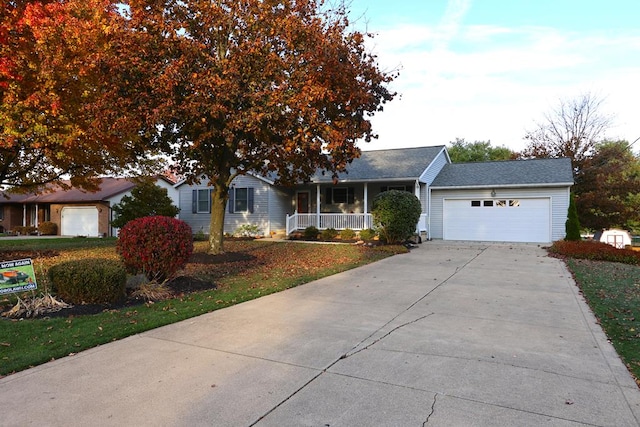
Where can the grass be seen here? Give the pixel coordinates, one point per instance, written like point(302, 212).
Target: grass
point(259, 268)
point(612, 290)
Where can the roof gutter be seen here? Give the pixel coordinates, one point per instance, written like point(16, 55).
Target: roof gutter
point(484, 186)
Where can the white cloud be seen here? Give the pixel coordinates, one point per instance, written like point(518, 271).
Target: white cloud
point(493, 83)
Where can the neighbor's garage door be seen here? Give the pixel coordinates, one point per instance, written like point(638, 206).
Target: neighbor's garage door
point(509, 220)
point(79, 221)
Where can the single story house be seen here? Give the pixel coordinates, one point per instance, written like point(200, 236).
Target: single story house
point(75, 211)
point(513, 201)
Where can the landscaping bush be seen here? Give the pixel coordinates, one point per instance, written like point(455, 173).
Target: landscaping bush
point(572, 226)
point(157, 246)
point(311, 233)
point(48, 228)
point(347, 234)
point(89, 281)
point(395, 215)
point(200, 236)
point(24, 231)
point(329, 234)
point(597, 251)
point(367, 234)
point(247, 230)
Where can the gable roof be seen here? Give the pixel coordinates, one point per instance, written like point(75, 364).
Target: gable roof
point(508, 173)
point(393, 164)
point(109, 187)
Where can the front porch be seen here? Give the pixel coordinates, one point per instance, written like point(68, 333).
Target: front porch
point(340, 221)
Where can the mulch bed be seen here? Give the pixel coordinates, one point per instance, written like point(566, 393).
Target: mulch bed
point(181, 285)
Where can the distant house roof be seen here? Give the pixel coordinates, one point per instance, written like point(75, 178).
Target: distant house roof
point(109, 187)
point(538, 172)
point(393, 164)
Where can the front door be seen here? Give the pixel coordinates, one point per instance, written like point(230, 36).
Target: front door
point(302, 204)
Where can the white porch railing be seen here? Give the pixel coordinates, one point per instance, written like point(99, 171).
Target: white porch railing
point(338, 221)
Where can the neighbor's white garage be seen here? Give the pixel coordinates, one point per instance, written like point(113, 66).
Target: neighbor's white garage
point(501, 220)
point(79, 221)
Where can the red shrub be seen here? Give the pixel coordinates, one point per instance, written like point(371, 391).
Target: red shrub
point(595, 251)
point(157, 246)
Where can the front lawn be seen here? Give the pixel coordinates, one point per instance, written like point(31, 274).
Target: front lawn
point(249, 269)
point(612, 290)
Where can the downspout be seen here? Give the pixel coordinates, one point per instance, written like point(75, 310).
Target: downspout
point(428, 212)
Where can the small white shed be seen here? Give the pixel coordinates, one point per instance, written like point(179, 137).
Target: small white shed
point(614, 237)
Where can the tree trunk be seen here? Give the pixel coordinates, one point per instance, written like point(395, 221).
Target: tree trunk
point(216, 226)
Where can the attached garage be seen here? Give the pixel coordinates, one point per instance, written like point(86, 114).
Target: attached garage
point(503, 201)
point(504, 220)
point(79, 221)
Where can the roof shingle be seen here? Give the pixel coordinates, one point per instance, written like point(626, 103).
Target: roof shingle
point(506, 173)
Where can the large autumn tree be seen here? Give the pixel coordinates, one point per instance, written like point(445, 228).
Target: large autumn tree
point(278, 87)
point(608, 187)
point(67, 103)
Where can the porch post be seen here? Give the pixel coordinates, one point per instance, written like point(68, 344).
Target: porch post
point(366, 197)
point(37, 223)
point(318, 205)
point(24, 215)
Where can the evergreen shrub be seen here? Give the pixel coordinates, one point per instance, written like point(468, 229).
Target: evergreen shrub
point(89, 281)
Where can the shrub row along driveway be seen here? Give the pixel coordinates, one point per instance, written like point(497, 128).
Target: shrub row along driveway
point(450, 334)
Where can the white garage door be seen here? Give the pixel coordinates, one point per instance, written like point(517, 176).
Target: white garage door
point(79, 221)
point(504, 220)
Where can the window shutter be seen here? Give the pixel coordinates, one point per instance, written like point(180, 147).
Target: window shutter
point(351, 195)
point(210, 198)
point(194, 201)
point(232, 200)
point(328, 199)
point(250, 199)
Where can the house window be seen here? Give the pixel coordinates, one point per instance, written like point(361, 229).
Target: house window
point(241, 200)
point(488, 203)
point(501, 203)
point(340, 195)
point(475, 203)
point(514, 203)
point(201, 202)
point(1, 213)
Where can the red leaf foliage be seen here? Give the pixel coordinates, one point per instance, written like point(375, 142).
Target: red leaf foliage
point(157, 246)
point(594, 251)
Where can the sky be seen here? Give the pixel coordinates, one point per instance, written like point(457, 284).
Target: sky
point(489, 70)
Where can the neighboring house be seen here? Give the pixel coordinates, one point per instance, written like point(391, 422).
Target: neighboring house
point(76, 212)
point(516, 201)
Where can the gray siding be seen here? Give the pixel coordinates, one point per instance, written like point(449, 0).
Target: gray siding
point(559, 205)
point(434, 168)
point(259, 217)
point(280, 204)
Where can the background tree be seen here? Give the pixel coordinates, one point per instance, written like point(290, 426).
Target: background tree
point(478, 151)
point(147, 199)
point(570, 130)
point(270, 87)
point(608, 187)
point(65, 99)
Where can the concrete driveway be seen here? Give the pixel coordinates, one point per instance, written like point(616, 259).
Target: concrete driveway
point(448, 335)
